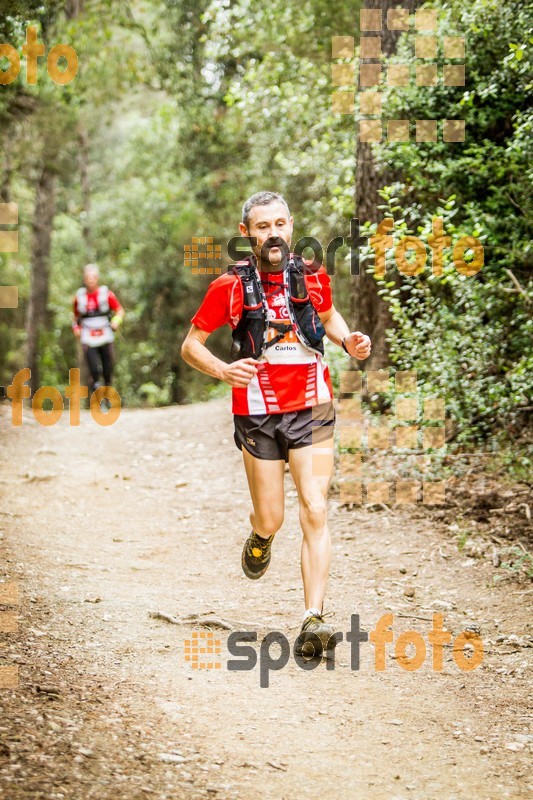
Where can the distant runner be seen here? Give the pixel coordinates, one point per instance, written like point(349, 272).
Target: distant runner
point(94, 305)
point(279, 310)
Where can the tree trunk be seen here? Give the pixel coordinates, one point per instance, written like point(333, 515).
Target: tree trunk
point(5, 187)
point(370, 314)
point(85, 187)
point(43, 221)
point(177, 392)
point(45, 207)
point(83, 161)
point(73, 8)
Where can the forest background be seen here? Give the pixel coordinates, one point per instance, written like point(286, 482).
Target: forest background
point(181, 110)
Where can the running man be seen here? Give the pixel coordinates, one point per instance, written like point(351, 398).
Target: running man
point(93, 305)
point(279, 310)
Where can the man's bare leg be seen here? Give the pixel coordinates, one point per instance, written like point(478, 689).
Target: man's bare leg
point(311, 468)
point(265, 481)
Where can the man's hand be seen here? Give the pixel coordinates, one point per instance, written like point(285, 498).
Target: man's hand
point(76, 332)
point(358, 345)
point(240, 373)
point(116, 322)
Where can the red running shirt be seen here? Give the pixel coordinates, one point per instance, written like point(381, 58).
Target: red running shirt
point(291, 377)
point(92, 302)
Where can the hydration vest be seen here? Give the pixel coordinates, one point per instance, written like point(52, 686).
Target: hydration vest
point(95, 327)
point(250, 335)
point(103, 303)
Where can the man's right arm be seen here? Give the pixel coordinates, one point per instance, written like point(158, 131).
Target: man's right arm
point(195, 353)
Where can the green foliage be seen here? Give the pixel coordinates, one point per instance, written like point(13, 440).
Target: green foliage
point(469, 338)
point(518, 562)
point(490, 173)
point(337, 362)
point(462, 539)
point(190, 107)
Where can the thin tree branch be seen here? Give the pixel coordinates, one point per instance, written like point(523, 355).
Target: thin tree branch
point(517, 284)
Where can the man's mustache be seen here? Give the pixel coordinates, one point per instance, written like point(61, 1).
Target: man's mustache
point(270, 243)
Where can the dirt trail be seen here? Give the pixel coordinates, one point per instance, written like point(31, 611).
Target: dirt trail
point(101, 526)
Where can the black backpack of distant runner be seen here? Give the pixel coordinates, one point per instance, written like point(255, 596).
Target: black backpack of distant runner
point(249, 337)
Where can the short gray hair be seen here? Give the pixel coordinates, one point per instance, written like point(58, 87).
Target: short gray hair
point(91, 268)
point(261, 199)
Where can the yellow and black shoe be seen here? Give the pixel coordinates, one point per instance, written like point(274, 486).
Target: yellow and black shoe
point(307, 645)
point(256, 555)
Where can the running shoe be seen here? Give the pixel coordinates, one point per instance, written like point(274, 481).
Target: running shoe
point(256, 555)
point(306, 645)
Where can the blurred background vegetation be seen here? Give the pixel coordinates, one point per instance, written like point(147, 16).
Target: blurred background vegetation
point(182, 109)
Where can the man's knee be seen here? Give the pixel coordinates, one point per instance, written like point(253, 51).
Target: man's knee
point(268, 524)
point(314, 508)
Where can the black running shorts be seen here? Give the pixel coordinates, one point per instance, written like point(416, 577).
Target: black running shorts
point(271, 436)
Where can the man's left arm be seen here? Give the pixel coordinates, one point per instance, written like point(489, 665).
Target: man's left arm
point(118, 311)
point(357, 344)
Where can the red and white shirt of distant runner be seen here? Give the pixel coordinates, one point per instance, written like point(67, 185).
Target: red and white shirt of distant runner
point(91, 335)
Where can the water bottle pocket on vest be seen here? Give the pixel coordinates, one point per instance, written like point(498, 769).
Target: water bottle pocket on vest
point(309, 322)
point(247, 343)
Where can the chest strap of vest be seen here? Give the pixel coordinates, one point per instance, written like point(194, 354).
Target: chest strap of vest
point(282, 327)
